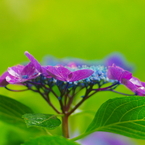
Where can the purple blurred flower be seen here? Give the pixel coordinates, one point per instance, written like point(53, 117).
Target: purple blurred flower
point(19, 73)
point(106, 138)
point(67, 61)
point(3, 81)
point(63, 74)
point(119, 60)
point(126, 78)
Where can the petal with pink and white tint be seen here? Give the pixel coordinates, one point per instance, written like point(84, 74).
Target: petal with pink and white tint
point(136, 81)
point(3, 81)
point(13, 79)
point(15, 70)
point(140, 91)
point(130, 85)
point(79, 75)
point(58, 72)
point(34, 61)
point(136, 86)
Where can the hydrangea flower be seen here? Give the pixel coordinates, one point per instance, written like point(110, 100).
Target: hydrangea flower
point(63, 74)
point(70, 79)
point(37, 65)
point(19, 73)
point(125, 77)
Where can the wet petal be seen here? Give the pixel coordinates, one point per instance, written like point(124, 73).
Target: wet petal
point(15, 70)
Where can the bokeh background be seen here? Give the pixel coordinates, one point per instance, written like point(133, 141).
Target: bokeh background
point(87, 29)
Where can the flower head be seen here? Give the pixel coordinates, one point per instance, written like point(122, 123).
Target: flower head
point(118, 73)
point(125, 77)
point(19, 73)
point(63, 74)
point(37, 65)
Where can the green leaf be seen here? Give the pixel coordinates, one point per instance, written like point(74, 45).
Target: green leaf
point(50, 140)
point(48, 121)
point(125, 116)
point(11, 111)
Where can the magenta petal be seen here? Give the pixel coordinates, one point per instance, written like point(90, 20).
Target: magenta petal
point(136, 86)
point(63, 74)
point(136, 81)
point(19, 73)
point(58, 72)
point(143, 84)
point(3, 81)
point(79, 75)
point(117, 73)
point(34, 61)
point(130, 85)
point(45, 72)
point(114, 72)
point(15, 70)
point(13, 80)
point(29, 69)
point(126, 75)
point(141, 91)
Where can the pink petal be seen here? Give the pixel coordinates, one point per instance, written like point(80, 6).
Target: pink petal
point(29, 69)
point(15, 70)
point(34, 61)
point(79, 75)
point(58, 72)
point(114, 72)
point(3, 81)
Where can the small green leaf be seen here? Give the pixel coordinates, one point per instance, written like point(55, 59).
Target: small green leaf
point(125, 116)
point(50, 140)
point(48, 121)
point(11, 111)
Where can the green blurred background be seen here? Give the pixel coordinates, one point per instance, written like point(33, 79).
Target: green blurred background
point(79, 28)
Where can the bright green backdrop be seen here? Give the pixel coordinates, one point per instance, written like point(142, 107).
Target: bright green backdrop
point(88, 29)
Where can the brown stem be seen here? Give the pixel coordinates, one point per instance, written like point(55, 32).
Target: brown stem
point(83, 99)
point(65, 129)
point(49, 102)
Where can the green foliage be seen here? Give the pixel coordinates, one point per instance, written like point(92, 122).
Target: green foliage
point(42, 120)
point(125, 116)
point(11, 111)
point(50, 140)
